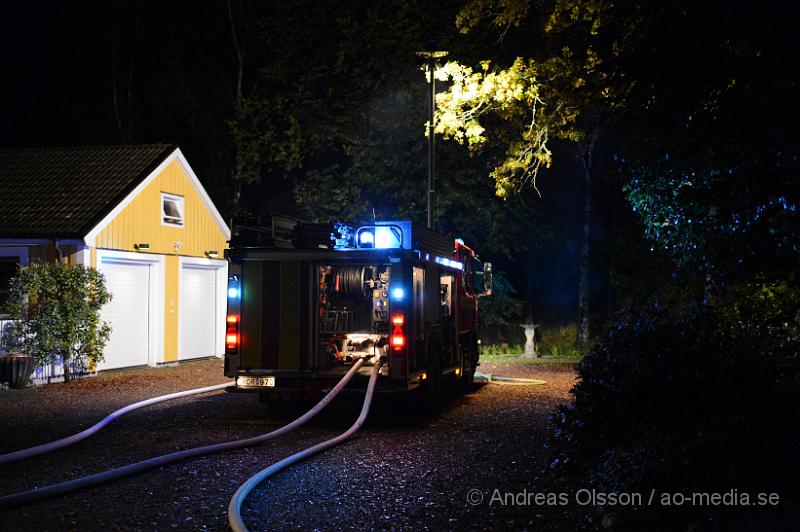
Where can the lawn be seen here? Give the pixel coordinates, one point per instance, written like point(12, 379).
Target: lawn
point(515, 360)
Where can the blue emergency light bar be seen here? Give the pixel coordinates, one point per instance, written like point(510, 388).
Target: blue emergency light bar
point(449, 262)
point(382, 235)
point(376, 235)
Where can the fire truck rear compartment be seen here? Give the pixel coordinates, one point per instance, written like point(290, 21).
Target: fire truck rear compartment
point(353, 313)
point(312, 318)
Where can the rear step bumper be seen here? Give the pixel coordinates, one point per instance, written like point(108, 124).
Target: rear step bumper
point(309, 387)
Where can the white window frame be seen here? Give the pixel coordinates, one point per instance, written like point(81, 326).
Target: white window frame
point(178, 200)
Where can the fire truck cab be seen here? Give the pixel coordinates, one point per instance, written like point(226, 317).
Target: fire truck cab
point(307, 300)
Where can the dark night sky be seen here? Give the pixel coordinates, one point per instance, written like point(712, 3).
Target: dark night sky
point(57, 65)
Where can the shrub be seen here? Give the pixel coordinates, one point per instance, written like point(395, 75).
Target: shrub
point(705, 401)
point(515, 349)
point(558, 341)
point(55, 308)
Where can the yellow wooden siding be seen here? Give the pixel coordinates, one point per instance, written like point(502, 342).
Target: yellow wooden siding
point(140, 221)
point(171, 302)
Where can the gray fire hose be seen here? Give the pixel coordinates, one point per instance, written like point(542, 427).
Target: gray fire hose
point(75, 438)
point(26, 497)
point(234, 507)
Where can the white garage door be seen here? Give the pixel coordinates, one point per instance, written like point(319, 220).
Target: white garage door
point(128, 313)
point(198, 310)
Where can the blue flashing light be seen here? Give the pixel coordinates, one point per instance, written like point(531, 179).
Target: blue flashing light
point(449, 262)
point(233, 292)
point(366, 238)
point(377, 235)
point(388, 237)
point(398, 293)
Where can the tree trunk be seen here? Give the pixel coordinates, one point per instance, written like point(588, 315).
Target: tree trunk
point(586, 153)
point(237, 191)
point(67, 375)
point(612, 259)
point(125, 131)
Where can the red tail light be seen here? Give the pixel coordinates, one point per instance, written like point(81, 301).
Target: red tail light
point(398, 339)
point(232, 333)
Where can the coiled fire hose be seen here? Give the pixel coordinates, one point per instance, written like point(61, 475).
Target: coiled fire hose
point(75, 438)
point(26, 497)
point(234, 507)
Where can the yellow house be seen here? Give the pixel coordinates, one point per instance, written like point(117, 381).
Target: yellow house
point(140, 216)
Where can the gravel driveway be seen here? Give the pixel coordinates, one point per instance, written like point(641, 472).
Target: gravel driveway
point(402, 471)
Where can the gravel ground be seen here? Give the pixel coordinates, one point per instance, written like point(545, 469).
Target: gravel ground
point(402, 471)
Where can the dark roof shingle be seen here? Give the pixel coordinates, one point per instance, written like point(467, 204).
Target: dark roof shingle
point(65, 192)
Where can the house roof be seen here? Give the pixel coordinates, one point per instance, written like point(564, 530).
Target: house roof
point(65, 192)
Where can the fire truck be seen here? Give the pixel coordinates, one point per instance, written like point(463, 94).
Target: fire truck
point(306, 300)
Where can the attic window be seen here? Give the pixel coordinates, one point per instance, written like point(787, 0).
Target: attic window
point(171, 210)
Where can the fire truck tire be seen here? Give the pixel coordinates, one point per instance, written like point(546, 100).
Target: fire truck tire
point(470, 348)
point(432, 389)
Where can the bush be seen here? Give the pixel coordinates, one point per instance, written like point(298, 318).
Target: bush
point(501, 349)
point(707, 401)
point(558, 341)
point(56, 313)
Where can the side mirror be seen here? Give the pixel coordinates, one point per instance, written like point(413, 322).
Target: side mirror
point(487, 279)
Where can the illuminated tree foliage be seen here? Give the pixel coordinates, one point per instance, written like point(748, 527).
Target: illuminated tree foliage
point(703, 108)
point(564, 95)
point(333, 123)
point(513, 95)
point(562, 84)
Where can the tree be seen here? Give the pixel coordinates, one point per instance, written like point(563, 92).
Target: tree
point(55, 308)
point(336, 118)
point(502, 313)
point(570, 95)
point(712, 144)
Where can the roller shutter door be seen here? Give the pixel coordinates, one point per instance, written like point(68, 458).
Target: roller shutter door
point(128, 314)
point(198, 310)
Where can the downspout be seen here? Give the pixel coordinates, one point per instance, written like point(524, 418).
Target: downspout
point(64, 356)
point(58, 250)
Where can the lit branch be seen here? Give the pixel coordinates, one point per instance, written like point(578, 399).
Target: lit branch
point(508, 94)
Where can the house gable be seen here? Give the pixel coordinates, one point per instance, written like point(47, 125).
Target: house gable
point(138, 219)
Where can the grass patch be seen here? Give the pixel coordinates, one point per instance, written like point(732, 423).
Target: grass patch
point(554, 345)
point(507, 359)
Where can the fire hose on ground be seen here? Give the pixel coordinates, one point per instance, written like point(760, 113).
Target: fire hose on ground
point(75, 438)
point(14, 500)
point(234, 507)
point(510, 381)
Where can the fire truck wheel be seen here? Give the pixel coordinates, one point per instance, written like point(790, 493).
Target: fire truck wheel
point(470, 358)
point(432, 389)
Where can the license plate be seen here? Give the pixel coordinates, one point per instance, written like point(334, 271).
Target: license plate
point(257, 381)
